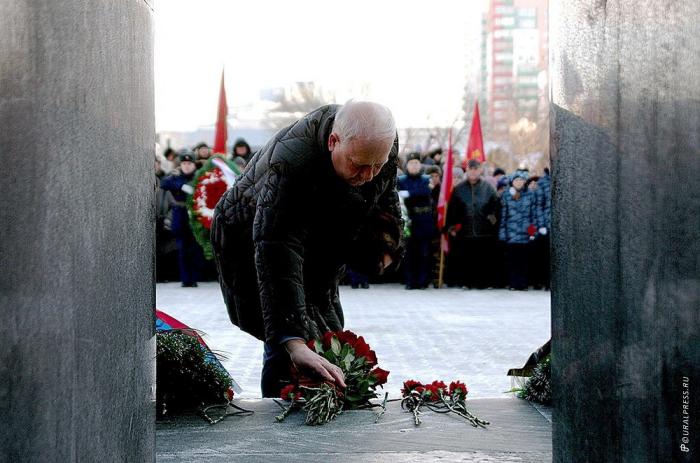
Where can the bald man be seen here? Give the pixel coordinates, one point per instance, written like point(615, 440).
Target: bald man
point(319, 195)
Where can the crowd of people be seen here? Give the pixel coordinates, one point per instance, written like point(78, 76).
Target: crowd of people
point(178, 255)
point(496, 226)
point(496, 229)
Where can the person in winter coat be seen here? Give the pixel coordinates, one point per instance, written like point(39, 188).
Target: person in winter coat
point(202, 153)
point(543, 207)
point(472, 220)
point(241, 150)
point(319, 195)
point(190, 256)
point(517, 228)
point(414, 188)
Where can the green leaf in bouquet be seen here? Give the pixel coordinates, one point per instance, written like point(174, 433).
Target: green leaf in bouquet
point(335, 345)
point(345, 350)
point(330, 356)
point(372, 380)
point(347, 361)
point(363, 385)
point(318, 347)
point(353, 398)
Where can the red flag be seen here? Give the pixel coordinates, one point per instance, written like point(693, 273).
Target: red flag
point(475, 148)
point(445, 191)
point(221, 125)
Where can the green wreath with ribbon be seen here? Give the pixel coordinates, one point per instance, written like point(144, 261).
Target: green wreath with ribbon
point(210, 182)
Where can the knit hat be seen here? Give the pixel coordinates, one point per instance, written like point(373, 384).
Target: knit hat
point(519, 174)
point(503, 182)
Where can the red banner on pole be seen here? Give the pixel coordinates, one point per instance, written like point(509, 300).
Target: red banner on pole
point(221, 133)
point(445, 189)
point(475, 147)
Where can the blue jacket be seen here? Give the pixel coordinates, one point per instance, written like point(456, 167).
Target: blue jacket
point(543, 196)
point(174, 183)
point(516, 217)
point(419, 204)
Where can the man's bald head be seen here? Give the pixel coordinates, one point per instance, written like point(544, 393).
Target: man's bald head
point(362, 137)
point(365, 120)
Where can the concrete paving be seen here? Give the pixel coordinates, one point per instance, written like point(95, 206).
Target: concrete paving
point(518, 433)
point(471, 335)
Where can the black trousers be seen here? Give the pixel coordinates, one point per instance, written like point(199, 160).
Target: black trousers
point(190, 258)
point(473, 261)
point(517, 256)
point(417, 261)
point(539, 261)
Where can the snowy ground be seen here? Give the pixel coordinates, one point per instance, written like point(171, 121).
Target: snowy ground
point(471, 335)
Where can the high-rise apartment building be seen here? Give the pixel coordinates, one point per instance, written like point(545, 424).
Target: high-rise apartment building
point(513, 75)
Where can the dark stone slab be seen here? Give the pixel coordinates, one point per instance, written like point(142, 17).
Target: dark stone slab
point(76, 231)
point(626, 223)
point(517, 433)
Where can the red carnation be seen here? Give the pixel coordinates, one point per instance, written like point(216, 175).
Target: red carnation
point(380, 375)
point(531, 230)
point(347, 337)
point(362, 349)
point(435, 389)
point(460, 388)
point(228, 394)
point(289, 392)
point(326, 340)
point(411, 385)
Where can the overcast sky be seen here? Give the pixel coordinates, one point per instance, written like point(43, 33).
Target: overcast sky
point(415, 55)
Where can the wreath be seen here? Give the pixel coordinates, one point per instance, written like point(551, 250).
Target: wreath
point(210, 182)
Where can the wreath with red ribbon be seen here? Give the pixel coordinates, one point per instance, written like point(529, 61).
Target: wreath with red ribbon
point(210, 183)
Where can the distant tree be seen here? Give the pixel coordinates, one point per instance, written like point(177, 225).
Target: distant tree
point(293, 103)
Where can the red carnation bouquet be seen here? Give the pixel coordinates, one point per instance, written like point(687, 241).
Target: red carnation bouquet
point(323, 400)
point(436, 396)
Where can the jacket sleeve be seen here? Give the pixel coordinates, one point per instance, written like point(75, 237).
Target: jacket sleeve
point(455, 210)
point(492, 204)
point(502, 220)
point(170, 183)
point(279, 230)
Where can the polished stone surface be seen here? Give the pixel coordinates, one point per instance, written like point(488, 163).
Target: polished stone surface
point(76, 231)
point(518, 433)
point(626, 224)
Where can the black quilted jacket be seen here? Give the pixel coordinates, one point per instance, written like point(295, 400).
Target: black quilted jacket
point(284, 232)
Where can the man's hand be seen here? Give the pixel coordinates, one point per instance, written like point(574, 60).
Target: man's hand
point(386, 261)
point(306, 359)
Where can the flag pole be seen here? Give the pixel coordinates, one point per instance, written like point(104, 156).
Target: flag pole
point(442, 260)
